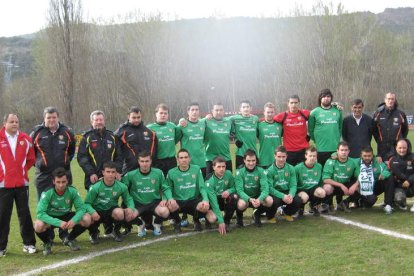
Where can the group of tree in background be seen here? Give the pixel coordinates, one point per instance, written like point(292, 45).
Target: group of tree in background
point(81, 66)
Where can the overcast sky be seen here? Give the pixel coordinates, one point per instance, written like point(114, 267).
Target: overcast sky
point(27, 16)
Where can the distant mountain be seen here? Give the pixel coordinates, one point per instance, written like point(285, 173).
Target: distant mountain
point(15, 52)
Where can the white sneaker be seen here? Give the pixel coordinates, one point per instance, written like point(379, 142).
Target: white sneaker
point(388, 209)
point(412, 209)
point(31, 249)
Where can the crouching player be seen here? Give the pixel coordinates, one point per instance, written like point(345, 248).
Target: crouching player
point(339, 177)
point(189, 194)
point(102, 202)
point(252, 188)
point(309, 177)
point(283, 186)
point(55, 210)
point(150, 192)
point(222, 194)
point(373, 180)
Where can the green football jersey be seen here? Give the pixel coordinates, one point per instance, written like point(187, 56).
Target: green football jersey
point(187, 185)
point(325, 128)
point(245, 130)
point(145, 188)
point(282, 181)
point(219, 185)
point(167, 137)
point(251, 184)
point(102, 197)
point(308, 178)
point(270, 137)
point(192, 139)
point(342, 172)
point(52, 205)
point(216, 139)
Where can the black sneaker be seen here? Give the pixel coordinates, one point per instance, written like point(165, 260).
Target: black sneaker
point(315, 211)
point(240, 222)
point(94, 238)
point(208, 225)
point(342, 206)
point(177, 228)
point(257, 220)
point(197, 227)
point(118, 237)
point(301, 211)
point(227, 227)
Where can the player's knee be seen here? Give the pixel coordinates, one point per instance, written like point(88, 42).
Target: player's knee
point(303, 196)
point(162, 212)
point(319, 193)
point(211, 217)
point(268, 202)
point(39, 226)
point(118, 214)
point(242, 205)
point(328, 189)
point(86, 220)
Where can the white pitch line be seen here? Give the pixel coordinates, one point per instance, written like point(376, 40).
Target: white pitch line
point(370, 228)
point(104, 252)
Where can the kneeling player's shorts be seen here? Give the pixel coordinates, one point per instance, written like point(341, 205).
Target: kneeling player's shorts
point(66, 217)
point(188, 206)
point(144, 209)
point(106, 215)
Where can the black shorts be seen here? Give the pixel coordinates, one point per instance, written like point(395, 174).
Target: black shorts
point(66, 217)
point(106, 216)
point(188, 206)
point(309, 192)
point(147, 209)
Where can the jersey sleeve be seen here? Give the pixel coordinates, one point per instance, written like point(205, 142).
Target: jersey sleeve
point(201, 186)
point(79, 206)
point(311, 125)
point(328, 169)
point(127, 198)
point(166, 189)
point(272, 190)
point(90, 199)
point(293, 183)
point(231, 187)
point(264, 185)
point(84, 158)
point(214, 204)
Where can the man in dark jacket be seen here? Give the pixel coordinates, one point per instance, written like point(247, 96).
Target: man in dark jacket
point(98, 145)
point(357, 129)
point(390, 124)
point(135, 138)
point(54, 145)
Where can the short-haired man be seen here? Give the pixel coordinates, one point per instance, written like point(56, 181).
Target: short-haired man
point(217, 137)
point(309, 176)
point(244, 129)
point(402, 169)
point(102, 203)
point(135, 137)
point(325, 126)
point(390, 125)
point(357, 129)
point(189, 193)
point(340, 178)
point(98, 145)
point(222, 193)
point(55, 210)
point(252, 188)
point(17, 157)
point(282, 186)
point(167, 137)
point(269, 133)
point(373, 180)
point(54, 145)
point(150, 192)
point(295, 131)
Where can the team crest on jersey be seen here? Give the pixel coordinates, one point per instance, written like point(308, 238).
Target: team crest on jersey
point(170, 130)
point(226, 182)
point(299, 118)
point(94, 145)
point(286, 174)
point(409, 163)
point(60, 137)
point(193, 176)
point(256, 178)
point(225, 124)
point(395, 119)
point(21, 143)
point(334, 113)
point(153, 181)
point(201, 128)
point(315, 173)
point(348, 169)
point(145, 133)
point(114, 193)
point(109, 146)
point(67, 201)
